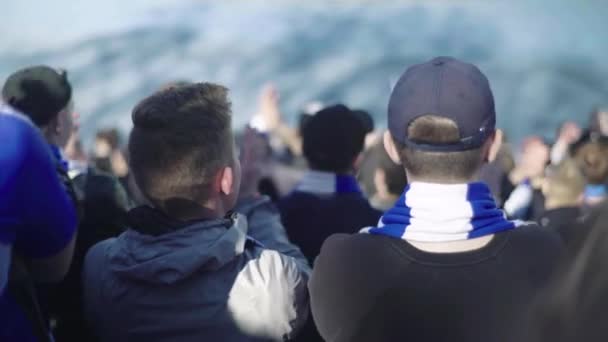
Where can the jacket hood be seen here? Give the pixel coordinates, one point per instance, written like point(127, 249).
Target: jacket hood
point(172, 256)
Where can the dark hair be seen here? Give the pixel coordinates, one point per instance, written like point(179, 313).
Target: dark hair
point(174, 84)
point(366, 119)
point(181, 138)
point(431, 129)
point(332, 139)
point(39, 92)
point(303, 121)
point(592, 157)
point(574, 306)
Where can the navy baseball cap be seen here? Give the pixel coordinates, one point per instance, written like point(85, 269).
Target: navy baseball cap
point(445, 87)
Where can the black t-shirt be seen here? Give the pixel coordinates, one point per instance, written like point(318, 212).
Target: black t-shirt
point(377, 288)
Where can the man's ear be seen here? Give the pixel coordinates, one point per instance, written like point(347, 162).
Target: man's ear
point(391, 149)
point(380, 181)
point(226, 180)
point(494, 146)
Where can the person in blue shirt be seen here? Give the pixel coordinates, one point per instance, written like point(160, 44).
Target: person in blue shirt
point(37, 217)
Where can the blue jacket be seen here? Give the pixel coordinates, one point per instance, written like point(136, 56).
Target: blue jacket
point(37, 218)
point(220, 280)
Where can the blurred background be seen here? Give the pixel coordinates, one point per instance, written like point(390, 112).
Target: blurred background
point(546, 59)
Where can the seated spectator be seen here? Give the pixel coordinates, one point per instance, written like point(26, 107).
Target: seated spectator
point(328, 199)
point(443, 264)
point(37, 217)
point(188, 268)
point(563, 191)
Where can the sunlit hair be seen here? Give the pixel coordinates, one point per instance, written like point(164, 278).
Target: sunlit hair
point(449, 166)
point(565, 182)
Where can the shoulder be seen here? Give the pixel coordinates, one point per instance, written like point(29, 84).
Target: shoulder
point(96, 255)
point(533, 234)
point(352, 243)
point(293, 198)
point(266, 264)
point(534, 242)
point(357, 206)
point(349, 274)
point(14, 120)
point(256, 207)
point(345, 257)
point(21, 133)
point(297, 203)
point(275, 285)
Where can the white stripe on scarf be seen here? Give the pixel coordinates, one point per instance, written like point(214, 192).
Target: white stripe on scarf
point(438, 213)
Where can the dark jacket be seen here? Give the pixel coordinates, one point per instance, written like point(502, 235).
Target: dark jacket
point(321, 206)
point(103, 203)
point(233, 279)
point(309, 219)
point(567, 222)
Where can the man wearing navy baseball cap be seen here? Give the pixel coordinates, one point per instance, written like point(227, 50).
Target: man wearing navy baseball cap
point(444, 264)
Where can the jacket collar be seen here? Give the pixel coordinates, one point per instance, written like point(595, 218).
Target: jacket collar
point(151, 221)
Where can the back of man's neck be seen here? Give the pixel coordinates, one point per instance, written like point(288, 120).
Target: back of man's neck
point(186, 212)
point(453, 246)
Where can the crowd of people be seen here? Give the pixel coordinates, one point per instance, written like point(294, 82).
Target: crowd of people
point(436, 229)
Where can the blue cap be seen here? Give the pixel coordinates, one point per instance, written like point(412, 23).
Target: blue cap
point(444, 87)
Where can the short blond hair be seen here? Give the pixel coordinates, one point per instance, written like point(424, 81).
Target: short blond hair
point(566, 183)
point(433, 129)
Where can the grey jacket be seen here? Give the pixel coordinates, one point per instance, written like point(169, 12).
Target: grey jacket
point(221, 280)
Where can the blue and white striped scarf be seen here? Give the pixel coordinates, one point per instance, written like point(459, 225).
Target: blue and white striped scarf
point(440, 213)
point(327, 183)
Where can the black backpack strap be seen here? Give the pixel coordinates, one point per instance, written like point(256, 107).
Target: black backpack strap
point(21, 289)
